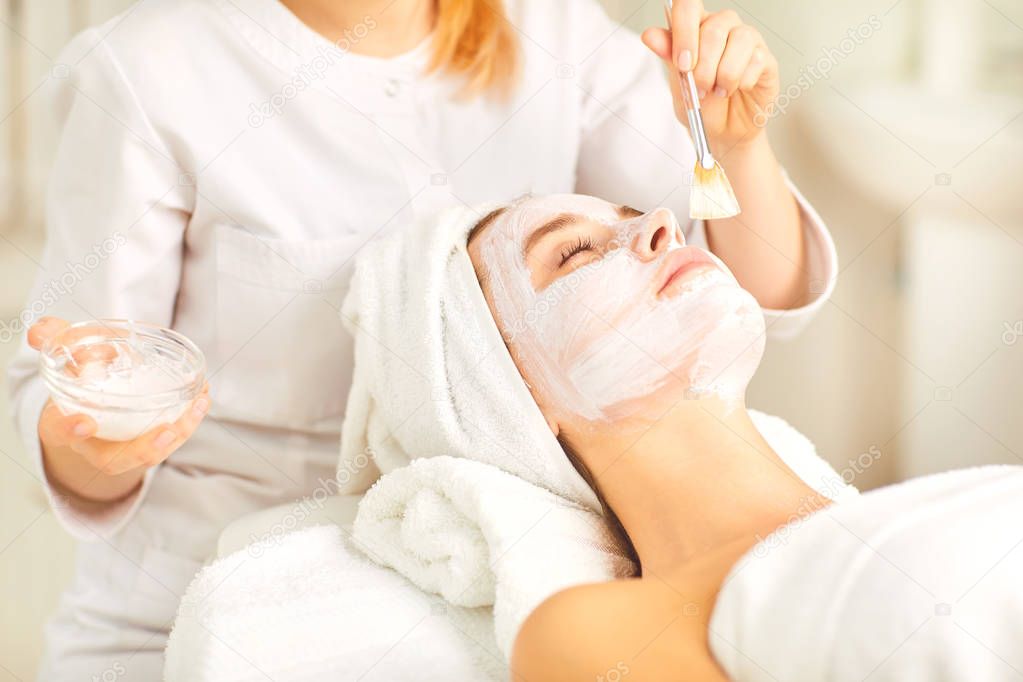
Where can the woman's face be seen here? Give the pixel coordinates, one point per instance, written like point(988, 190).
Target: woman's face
point(608, 314)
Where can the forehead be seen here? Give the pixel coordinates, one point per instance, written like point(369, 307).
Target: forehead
point(531, 213)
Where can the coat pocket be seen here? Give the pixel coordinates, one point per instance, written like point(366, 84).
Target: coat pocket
point(283, 358)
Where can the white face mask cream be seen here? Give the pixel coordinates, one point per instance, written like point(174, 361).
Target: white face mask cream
point(646, 313)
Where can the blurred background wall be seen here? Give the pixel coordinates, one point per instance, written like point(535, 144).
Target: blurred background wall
point(901, 120)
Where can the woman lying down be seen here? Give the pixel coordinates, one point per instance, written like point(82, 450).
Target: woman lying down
point(638, 349)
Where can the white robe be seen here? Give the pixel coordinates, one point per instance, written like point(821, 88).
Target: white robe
point(219, 169)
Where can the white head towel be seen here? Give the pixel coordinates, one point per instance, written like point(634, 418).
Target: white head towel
point(432, 373)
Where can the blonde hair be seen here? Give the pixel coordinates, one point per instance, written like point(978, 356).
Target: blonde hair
point(474, 39)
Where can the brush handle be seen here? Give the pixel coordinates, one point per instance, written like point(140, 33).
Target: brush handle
point(696, 130)
point(691, 97)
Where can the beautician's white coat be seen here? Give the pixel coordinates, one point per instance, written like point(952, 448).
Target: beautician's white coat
point(236, 223)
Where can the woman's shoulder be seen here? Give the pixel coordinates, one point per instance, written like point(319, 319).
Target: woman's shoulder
point(643, 626)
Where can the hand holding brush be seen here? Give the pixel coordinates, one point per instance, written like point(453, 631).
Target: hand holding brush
point(723, 79)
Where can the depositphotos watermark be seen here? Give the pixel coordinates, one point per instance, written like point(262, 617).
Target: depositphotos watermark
point(310, 72)
point(1012, 333)
point(615, 674)
point(111, 674)
point(820, 70)
point(58, 287)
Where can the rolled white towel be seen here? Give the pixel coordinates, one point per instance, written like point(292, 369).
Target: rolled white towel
point(479, 536)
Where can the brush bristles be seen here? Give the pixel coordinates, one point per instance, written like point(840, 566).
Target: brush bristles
point(711, 197)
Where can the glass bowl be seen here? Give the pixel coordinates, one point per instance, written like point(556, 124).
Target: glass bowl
point(130, 377)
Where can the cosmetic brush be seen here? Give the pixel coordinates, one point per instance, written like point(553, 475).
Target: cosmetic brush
point(711, 196)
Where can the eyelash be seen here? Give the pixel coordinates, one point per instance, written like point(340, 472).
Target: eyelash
point(580, 246)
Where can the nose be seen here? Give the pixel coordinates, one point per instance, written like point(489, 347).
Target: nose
point(656, 233)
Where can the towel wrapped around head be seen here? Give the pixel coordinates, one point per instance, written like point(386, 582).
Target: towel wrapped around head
point(432, 373)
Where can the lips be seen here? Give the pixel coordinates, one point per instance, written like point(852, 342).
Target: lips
point(679, 265)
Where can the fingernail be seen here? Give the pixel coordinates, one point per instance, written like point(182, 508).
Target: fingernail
point(82, 429)
point(720, 92)
point(685, 60)
point(164, 439)
point(200, 407)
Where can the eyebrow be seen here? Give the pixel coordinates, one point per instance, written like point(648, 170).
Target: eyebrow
point(558, 222)
point(563, 220)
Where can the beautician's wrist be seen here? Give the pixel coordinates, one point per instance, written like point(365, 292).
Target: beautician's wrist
point(70, 475)
point(756, 150)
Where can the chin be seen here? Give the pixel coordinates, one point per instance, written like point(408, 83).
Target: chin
point(704, 344)
point(719, 368)
point(722, 357)
point(726, 363)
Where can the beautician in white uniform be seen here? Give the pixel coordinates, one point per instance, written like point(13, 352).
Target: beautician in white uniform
point(238, 160)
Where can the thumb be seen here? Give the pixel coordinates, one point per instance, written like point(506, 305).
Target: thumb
point(44, 330)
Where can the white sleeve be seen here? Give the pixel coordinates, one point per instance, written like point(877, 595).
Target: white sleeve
point(116, 212)
point(634, 151)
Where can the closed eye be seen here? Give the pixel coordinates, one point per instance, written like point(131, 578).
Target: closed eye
point(581, 245)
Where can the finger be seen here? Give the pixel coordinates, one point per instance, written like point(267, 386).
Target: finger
point(48, 327)
point(59, 430)
point(193, 416)
point(685, 33)
point(659, 42)
point(713, 39)
point(111, 457)
point(45, 329)
point(190, 420)
point(117, 457)
point(754, 70)
point(162, 441)
point(742, 41)
point(159, 444)
point(99, 352)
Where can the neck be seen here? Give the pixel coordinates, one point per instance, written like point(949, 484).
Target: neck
point(388, 27)
point(699, 479)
